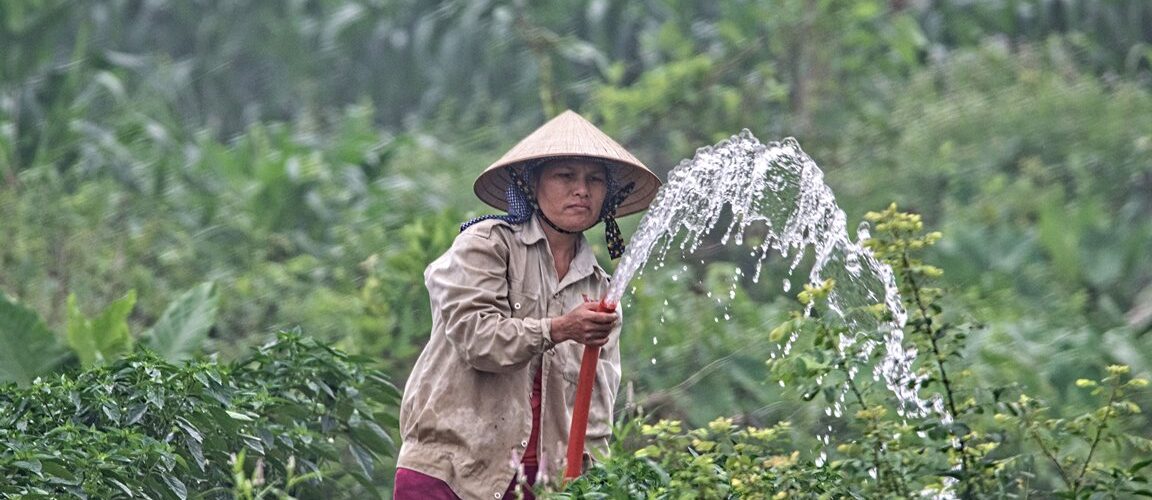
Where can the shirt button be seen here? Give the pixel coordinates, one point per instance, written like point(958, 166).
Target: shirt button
point(524, 444)
point(496, 495)
point(516, 306)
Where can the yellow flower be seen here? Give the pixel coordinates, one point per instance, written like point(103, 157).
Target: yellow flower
point(1118, 369)
point(722, 424)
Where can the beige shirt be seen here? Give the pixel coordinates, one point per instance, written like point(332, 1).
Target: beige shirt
point(466, 413)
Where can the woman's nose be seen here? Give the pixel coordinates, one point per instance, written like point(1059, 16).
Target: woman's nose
point(582, 188)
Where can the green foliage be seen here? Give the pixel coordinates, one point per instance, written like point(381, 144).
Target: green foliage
point(155, 146)
point(693, 343)
point(182, 329)
point(105, 337)
point(28, 348)
point(721, 460)
point(389, 316)
point(35, 350)
point(293, 411)
point(1077, 466)
point(1108, 36)
point(977, 440)
point(256, 486)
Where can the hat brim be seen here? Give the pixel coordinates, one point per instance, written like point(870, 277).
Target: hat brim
point(492, 185)
point(569, 135)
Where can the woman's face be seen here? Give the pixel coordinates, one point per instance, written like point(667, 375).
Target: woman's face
point(571, 192)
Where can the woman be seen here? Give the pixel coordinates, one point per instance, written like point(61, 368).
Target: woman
point(488, 404)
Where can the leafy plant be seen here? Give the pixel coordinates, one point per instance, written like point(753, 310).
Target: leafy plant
point(978, 440)
point(299, 414)
point(183, 328)
point(27, 348)
point(105, 337)
point(32, 349)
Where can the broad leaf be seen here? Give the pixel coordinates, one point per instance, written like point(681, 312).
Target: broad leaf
point(104, 337)
point(181, 330)
point(27, 348)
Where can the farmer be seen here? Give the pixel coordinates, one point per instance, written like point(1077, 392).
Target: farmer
point(489, 403)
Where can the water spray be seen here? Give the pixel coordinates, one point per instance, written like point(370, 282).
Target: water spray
point(778, 187)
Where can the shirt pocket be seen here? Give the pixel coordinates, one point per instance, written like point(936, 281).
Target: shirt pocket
point(523, 304)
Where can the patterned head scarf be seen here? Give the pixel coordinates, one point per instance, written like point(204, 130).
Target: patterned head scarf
point(522, 205)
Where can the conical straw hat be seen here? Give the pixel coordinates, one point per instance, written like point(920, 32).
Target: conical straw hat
point(568, 135)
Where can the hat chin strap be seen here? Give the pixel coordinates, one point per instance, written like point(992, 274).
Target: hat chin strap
point(560, 229)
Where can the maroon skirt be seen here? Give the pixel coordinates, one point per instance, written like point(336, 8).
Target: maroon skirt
point(412, 485)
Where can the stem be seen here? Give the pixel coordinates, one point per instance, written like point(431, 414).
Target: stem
point(1048, 453)
point(918, 299)
point(929, 330)
point(878, 445)
point(1096, 439)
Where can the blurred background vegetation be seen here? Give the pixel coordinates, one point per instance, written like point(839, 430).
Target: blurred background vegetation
point(310, 157)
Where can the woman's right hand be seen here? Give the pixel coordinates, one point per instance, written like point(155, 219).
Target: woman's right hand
point(584, 325)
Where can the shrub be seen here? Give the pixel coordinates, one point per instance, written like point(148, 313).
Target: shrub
point(293, 415)
point(979, 440)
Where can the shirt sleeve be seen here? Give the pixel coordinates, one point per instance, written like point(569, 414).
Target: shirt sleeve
point(468, 290)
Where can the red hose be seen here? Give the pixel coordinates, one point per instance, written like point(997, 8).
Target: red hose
point(584, 384)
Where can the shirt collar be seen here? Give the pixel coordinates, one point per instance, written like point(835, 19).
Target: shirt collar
point(583, 264)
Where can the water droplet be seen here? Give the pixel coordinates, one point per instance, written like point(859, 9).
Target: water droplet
point(787, 285)
point(654, 342)
point(653, 360)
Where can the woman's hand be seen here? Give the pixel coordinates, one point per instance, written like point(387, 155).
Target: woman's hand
point(584, 325)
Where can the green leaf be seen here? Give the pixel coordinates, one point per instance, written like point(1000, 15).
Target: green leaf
point(371, 435)
point(104, 337)
point(27, 348)
point(182, 329)
point(190, 429)
point(176, 486)
point(58, 473)
point(363, 458)
point(1139, 465)
point(239, 416)
point(29, 465)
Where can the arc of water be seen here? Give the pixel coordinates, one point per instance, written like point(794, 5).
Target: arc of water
point(779, 187)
